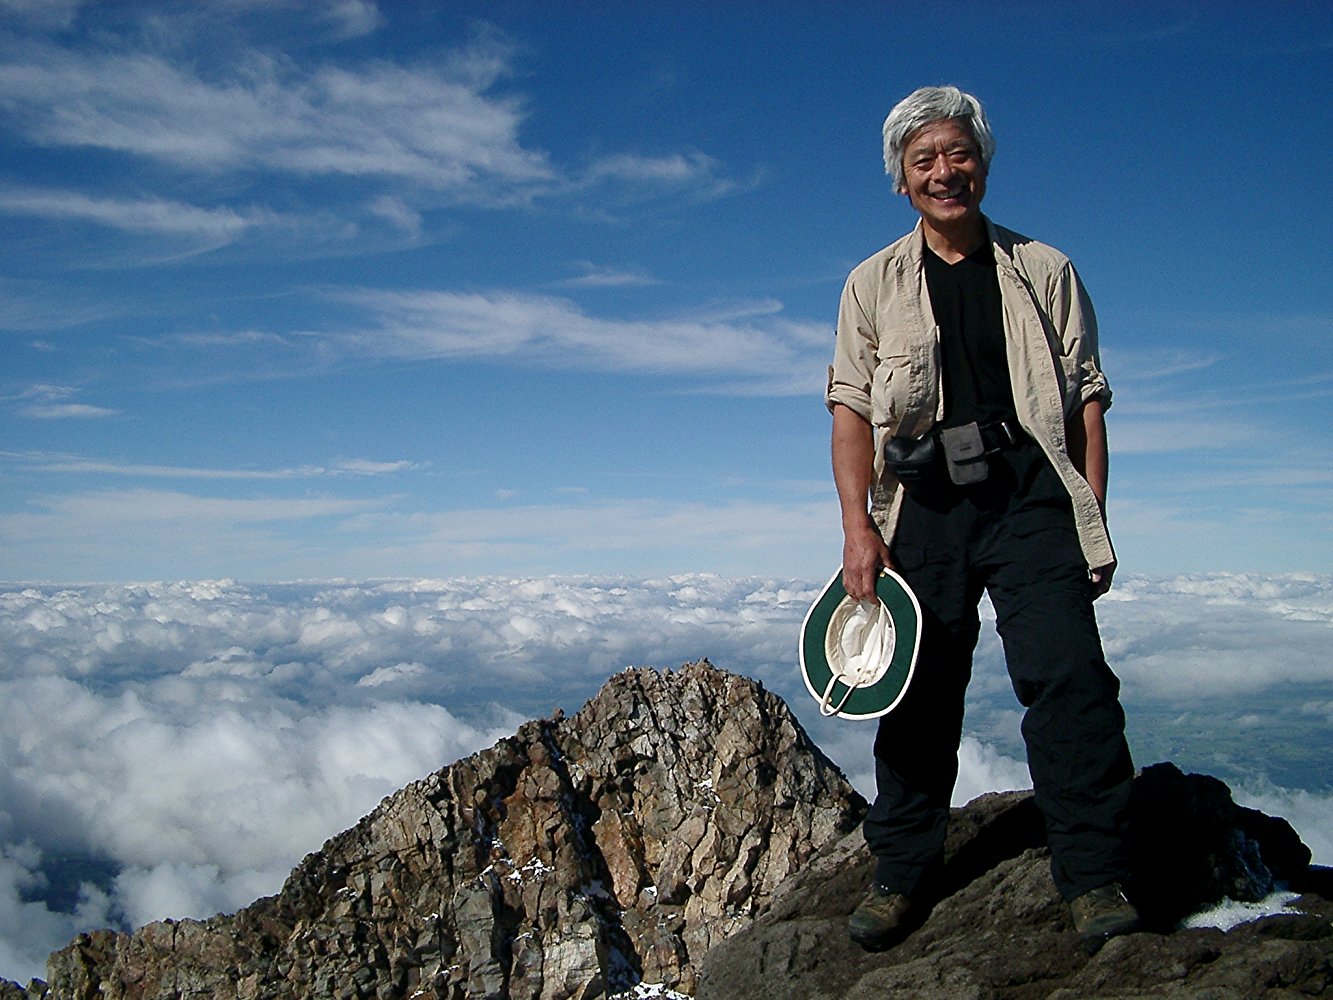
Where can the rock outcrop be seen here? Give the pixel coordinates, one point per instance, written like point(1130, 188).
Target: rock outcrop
point(682, 830)
point(999, 931)
point(580, 857)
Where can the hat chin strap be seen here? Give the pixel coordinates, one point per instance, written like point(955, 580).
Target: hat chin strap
point(824, 707)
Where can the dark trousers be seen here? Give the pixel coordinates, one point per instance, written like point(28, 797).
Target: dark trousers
point(1013, 536)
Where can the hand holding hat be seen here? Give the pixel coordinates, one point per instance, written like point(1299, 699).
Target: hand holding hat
point(857, 657)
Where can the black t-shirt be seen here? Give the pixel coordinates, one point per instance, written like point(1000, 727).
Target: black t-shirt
point(965, 298)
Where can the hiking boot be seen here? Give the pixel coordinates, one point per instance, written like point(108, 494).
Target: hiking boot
point(882, 919)
point(1101, 914)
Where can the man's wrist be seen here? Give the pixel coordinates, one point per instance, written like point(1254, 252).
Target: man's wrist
point(858, 521)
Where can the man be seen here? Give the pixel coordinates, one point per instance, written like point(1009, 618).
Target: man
point(968, 401)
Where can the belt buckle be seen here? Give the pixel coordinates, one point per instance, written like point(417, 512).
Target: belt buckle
point(998, 436)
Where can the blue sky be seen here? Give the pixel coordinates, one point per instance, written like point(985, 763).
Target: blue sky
point(523, 309)
point(300, 290)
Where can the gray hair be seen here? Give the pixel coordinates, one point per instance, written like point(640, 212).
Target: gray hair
point(925, 107)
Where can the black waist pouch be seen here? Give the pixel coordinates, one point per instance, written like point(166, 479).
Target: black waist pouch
point(916, 462)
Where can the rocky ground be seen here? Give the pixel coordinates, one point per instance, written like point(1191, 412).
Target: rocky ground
point(999, 931)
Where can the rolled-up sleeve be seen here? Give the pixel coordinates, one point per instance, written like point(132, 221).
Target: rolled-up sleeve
point(1076, 323)
point(853, 370)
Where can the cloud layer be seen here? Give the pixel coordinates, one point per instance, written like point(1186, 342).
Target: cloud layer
point(173, 749)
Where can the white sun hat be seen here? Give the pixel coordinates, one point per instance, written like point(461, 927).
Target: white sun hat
point(857, 657)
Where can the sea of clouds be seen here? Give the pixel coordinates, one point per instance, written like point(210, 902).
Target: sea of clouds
point(173, 749)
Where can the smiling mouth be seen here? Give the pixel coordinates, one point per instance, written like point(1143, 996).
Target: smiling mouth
point(948, 195)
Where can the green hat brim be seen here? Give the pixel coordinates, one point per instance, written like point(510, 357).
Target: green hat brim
point(883, 696)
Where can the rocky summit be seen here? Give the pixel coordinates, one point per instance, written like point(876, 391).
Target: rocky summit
point(576, 859)
point(682, 831)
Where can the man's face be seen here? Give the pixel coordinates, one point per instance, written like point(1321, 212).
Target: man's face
point(943, 174)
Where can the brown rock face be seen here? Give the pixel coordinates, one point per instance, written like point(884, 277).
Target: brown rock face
point(576, 859)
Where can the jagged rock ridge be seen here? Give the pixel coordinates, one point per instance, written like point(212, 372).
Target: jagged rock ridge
point(577, 858)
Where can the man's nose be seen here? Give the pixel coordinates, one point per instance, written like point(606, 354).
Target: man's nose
point(941, 168)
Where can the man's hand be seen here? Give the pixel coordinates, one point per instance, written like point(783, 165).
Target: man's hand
point(1101, 579)
point(864, 554)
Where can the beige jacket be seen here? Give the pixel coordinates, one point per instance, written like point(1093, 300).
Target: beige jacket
point(886, 365)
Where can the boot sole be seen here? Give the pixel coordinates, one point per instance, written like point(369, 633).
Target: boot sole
point(1092, 943)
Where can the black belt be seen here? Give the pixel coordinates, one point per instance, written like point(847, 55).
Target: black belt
point(1001, 434)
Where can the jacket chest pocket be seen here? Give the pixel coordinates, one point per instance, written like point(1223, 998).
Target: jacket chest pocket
point(890, 389)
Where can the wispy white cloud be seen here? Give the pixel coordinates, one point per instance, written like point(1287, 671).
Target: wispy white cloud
point(1278, 471)
point(388, 675)
point(216, 226)
point(766, 353)
point(66, 411)
point(397, 213)
point(677, 168)
point(724, 535)
point(610, 185)
point(352, 18)
point(44, 462)
point(1219, 400)
point(367, 467)
point(439, 126)
point(742, 348)
point(41, 306)
point(1202, 524)
point(1151, 365)
point(695, 174)
point(434, 125)
point(153, 532)
point(333, 20)
point(55, 402)
point(1222, 389)
point(1140, 433)
point(600, 276)
point(440, 130)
